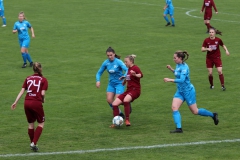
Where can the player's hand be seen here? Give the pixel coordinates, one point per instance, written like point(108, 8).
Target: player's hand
point(97, 84)
point(133, 73)
point(166, 79)
point(121, 78)
point(33, 35)
point(169, 66)
point(227, 53)
point(124, 82)
point(209, 49)
point(14, 105)
point(216, 12)
point(201, 11)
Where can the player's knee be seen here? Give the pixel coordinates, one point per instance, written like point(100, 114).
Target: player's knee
point(195, 112)
point(174, 108)
point(219, 72)
point(41, 124)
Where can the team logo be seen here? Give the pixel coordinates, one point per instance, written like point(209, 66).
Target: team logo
point(216, 42)
point(115, 66)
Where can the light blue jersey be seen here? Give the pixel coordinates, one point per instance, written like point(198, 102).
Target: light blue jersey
point(115, 70)
point(169, 4)
point(1, 5)
point(182, 77)
point(22, 28)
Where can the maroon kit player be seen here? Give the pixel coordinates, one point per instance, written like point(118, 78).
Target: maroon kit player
point(207, 5)
point(213, 57)
point(35, 85)
point(133, 89)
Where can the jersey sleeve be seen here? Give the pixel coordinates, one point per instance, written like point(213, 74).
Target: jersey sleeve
point(25, 84)
point(124, 67)
point(29, 25)
point(45, 84)
point(203, 6)
point(183, 76)
point(100, 71)
point(214, 6)
point(15, 26)
point(204, 43)
point(138, 71)
point(220, 42)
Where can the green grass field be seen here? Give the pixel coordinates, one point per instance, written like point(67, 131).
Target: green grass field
point(71, 40)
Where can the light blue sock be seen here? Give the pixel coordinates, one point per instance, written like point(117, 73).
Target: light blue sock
point(204, 112)
point(24, 56)
point(166, 18)
point(4, 21)
point(173, 21)
point(177, 119)
point(29, 57)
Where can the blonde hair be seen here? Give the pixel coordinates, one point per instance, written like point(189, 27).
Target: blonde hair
point(37, 68)
point(22, 14)
point(131, 57)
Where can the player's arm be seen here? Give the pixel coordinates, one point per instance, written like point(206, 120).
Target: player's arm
point(124, 68)
point(136, 72)
point(32, 30)
point(214, 6)
point(99, 74)
point(14, 105)
point(43, 96)
point(177, 80)
point(170, 68)
point(226, 50)
point(203, 6)
point(165, 6)
point(14, 28)
point(204, 49)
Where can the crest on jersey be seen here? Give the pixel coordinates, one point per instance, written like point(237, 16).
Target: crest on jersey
point(115, 66)
point(216, 42)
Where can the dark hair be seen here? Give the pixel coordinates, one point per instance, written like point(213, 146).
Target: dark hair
point(131, 57)
point(37, 68)
point(182, 54)
point(110, 49)
point(212, 29)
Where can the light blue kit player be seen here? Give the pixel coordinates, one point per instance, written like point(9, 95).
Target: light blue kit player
point(185, 91)
point(169, 9)
point(115, 68)
point(2, 14)
point(22, 26)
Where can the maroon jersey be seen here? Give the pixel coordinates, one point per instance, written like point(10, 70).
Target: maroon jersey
point(208, 4)
point(133, 81)
point(214, 45)
point(34, 85)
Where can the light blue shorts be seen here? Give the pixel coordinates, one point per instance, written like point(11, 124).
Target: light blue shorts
point(168, 11)
point(189, 96)
point(1, 13)
point(116, 88)
point(24, 43)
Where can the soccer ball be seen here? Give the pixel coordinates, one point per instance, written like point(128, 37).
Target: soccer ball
point(117, 121)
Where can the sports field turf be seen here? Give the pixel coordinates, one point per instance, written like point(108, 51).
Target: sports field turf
point(71, 39)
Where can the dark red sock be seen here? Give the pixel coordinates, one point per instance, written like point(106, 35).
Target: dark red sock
point(221, 77)
point(127, 109)
point(208, 26)
point(37, 134)
point(210, 78)
point(115, 111)
point(31, 134)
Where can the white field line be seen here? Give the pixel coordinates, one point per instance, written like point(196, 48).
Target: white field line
point(187, 13)
point(119, 149)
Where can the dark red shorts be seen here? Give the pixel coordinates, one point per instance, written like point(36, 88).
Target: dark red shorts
point(34, 111)
point(133, 93)
point(207, 15)
point(210, 62)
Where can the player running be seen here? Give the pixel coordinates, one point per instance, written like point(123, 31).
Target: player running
point(2, 14)
point(185, 91)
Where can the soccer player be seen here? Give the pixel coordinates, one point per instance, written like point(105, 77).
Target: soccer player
point(2, 14)
point(21, 26)
point(185, 91)
point(133, 91)
point(115, 68)
point(207, 5)
point(169, 9)
point(213, 57)
point(35, 85)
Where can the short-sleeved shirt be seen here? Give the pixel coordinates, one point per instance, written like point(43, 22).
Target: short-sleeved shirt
point(1, 5)
point(169, 4)
point(22, 28)
point(214, 45)
point(133, 82)
point(34, 85)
